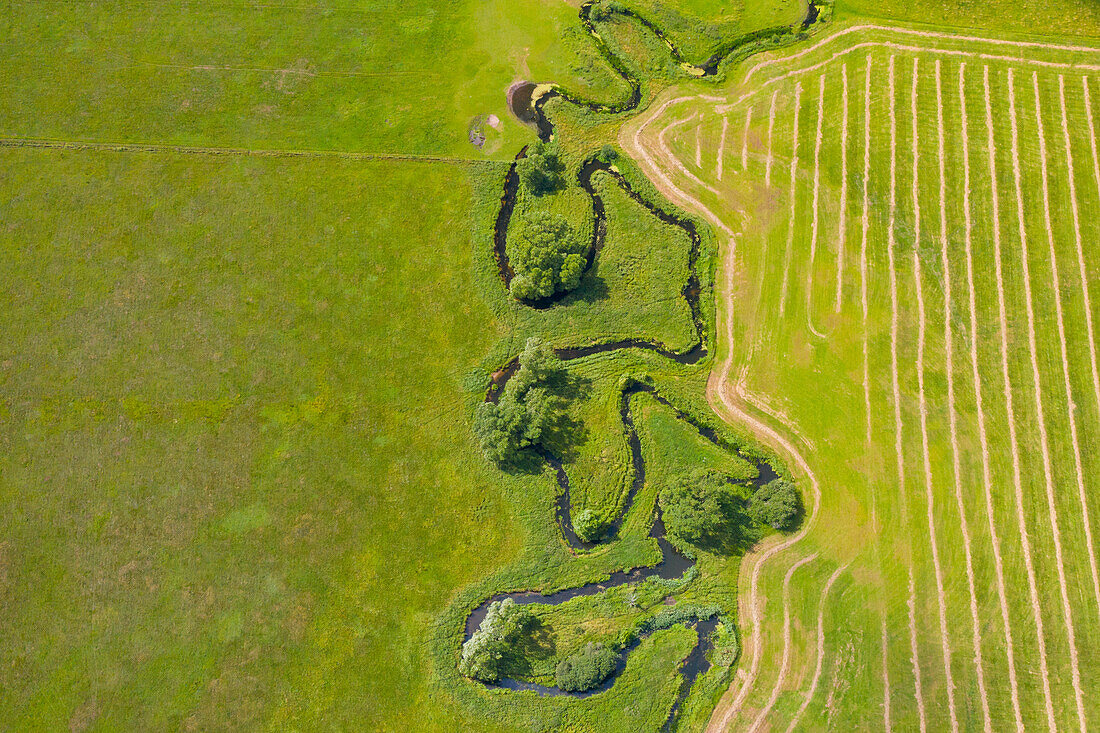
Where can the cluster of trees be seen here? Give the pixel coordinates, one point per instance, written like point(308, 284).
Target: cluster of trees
point(586, 669)
point(527, 411)
point(700, 509)
point(541, 170)
point(547, 255)
point(484, 653)
point(776, 504)
point(693, 506)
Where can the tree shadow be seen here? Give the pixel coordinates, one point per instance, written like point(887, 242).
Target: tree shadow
point(537, 643)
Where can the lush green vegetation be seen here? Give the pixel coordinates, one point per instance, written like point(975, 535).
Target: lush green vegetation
point(777, 505)
point(695, 506)
point(919, 335)
point(484, 652)
point(238, 387)
point(585, 669)
point(529, 413)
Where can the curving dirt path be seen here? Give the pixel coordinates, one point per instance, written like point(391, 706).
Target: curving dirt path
point(1036, 609)
point(1044, 440)
point(793, 190)
point(815, 208)
point(820, 648)
point(785, 664)
point(724, 398)
point(949, 368)
point(1083, 275)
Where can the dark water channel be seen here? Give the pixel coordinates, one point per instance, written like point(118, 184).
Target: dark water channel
point(673, 563)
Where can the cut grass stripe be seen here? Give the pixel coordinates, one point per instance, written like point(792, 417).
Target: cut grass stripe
point(1014, 443)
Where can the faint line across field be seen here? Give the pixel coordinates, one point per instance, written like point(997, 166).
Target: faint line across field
point(785, 664)
point(820, 648)
point(20, 142)
point(983, 440)
point(816, 206)
point(930, 510)
point(791, 221)
point(891, 244)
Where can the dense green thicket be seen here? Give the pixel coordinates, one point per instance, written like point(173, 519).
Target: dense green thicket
point(548, 256)
point(527, 411)
point(585, 669)
point(777, 504)
point(541, 171)
point(693, 506)
point(484, 652)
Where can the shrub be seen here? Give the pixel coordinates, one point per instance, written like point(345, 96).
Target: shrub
point(776, 504)
point(527, 409)
point(588, 525)
point(692, 506)
point(586, 669)
point(547, 255)
point(541, 170)
point(484, 652)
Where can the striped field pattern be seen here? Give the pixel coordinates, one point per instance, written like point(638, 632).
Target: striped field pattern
point(910, 225)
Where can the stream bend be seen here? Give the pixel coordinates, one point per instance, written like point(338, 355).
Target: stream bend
point(673, 564)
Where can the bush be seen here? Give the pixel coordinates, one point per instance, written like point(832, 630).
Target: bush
point(692, 506)
point(547, 255)
point(776, 504)
point(588, 525)
point(484, 652)
point(527, 409)
point(541, 171)
point(586, 669)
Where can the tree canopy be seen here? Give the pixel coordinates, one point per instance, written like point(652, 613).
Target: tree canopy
point(547, 256)
point(586, 669)
point(776, 504)
point(484, 652)
point(541, 170)
point(692, 505)
point(527, 410)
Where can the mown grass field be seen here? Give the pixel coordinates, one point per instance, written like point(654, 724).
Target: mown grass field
point(240, 356)
point(910, 220)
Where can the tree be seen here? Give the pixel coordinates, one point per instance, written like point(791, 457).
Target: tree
point(588, 525)
point(547, 256)
point(586, 669)
point(776, 504)
point(541, 171)
point(527, 409)
point(692, 506)
point(484, 652)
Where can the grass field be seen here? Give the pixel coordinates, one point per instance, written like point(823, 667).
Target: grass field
point(909, 314)
point(249, 307)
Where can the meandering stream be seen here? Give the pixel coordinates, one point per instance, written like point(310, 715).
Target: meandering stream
point(673, 564)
